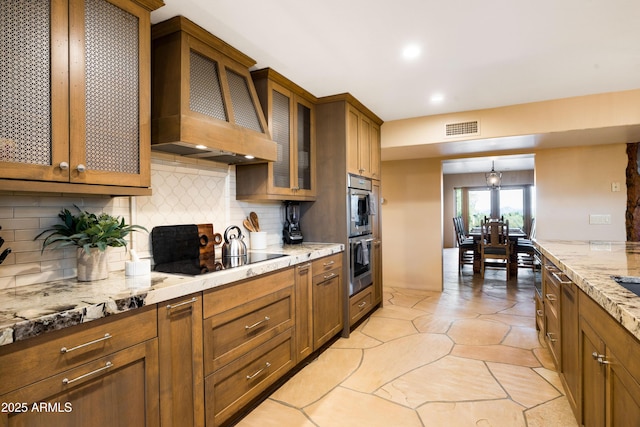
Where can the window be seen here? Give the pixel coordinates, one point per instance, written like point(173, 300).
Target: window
point(515, 204)
point(479, 206)
point(512, 206)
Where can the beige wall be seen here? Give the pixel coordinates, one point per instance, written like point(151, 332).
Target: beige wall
point(412, 224)
point(572, 183)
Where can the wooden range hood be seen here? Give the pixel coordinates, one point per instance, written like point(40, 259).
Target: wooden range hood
point(204, 104)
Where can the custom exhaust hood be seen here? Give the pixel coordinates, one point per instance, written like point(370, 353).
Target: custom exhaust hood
point(204, 104)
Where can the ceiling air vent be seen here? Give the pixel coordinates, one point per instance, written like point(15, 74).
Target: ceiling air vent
point(463, 128)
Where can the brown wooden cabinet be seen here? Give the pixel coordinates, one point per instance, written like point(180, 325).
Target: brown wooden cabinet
point(609, 369)
point(551, 294)
point(327, 299)
point(304, 311)
point(363, 144)
point(104, 371)
point(290, 113)
point(249, 341)
point(360, 304)
point(181, 361)
point(84, 100)
point(570, 366)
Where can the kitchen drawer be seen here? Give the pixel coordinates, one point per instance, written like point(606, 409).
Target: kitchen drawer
point(327, 263)
point(120, 389)
point(236, 331)
point(552, 336)
point(225, 298)
point(232, 387)
point(551, 293)
point(25, 362)
point(326, 275)
point(539, 312)
point(360, 304)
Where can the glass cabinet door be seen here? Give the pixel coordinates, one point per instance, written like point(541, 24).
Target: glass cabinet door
point(304, 147)
point(281, 134)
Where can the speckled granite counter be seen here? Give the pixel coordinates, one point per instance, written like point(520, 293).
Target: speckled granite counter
point(36, 309)
point(591, 264)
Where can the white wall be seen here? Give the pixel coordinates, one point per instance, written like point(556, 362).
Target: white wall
point(412, 224)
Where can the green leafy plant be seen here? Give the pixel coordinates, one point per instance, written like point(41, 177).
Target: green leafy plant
point(87, 230)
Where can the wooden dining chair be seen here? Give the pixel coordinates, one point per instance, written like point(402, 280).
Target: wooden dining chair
point(495, 245)
point(525, 249)
point(466, 244)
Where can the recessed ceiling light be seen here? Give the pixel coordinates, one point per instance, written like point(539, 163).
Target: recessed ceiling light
point(411, 51)
point(201, 147)
point(437, 97)
point(249, 156)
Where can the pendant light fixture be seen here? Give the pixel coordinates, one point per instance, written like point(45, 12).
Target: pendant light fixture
point(494, 179)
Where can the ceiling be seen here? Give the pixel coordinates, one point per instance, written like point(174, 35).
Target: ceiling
point(471, 54)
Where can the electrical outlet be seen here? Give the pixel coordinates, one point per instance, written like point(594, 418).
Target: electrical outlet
point(615, 186)
point(600, 219)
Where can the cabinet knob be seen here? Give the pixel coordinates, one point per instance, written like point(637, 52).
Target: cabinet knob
point(81, 168)
point(64, 166)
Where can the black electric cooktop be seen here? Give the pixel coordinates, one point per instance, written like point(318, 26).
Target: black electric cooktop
point(192, 267)
point(250, 258)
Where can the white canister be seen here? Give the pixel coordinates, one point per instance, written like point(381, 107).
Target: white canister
point(258, 239)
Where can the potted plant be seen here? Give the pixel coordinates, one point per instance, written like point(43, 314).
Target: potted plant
point(92, 234)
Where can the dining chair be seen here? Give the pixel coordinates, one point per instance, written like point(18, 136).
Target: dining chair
point(495, 245)
point(525, 249)
point(466, 244)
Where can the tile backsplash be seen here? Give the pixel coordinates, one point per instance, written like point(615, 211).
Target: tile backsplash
point(185, 191)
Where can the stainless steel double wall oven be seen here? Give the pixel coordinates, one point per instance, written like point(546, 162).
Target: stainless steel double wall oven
point(361, 208)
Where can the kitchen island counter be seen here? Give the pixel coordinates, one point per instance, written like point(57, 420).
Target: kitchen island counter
point(33, 310)
point(591, 265)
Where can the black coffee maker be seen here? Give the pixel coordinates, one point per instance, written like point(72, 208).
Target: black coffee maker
point(292, 233)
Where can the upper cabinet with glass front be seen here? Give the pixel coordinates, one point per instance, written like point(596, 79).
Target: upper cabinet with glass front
point(75, 109)
point(290, 113)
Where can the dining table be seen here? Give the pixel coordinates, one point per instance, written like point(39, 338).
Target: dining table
point(515, 233)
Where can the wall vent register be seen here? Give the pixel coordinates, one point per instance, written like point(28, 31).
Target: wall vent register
point(463, 128)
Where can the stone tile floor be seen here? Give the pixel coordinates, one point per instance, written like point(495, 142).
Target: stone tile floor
point(467, 356)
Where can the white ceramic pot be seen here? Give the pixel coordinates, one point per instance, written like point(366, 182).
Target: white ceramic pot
point(92, 266)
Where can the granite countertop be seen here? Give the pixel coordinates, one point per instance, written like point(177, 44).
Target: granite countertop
point(590, 265)
point(32, 310)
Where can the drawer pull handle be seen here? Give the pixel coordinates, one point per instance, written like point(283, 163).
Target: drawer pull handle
point(550, 297)
point(362, 304)
point(330, 276)
point(550, 336)
point(330, 263)
point(259, 371)
point(258, 323)
point(539, 312)
point(600, 358)
point(104, 368)
point(304, 267)
point(559, 279)
point(64, 350)
point(191, 301)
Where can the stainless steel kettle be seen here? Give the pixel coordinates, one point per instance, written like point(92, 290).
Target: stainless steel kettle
point(233, 244)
